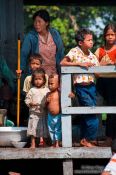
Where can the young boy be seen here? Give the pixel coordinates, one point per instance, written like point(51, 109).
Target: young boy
point(35, 62)
point(84, 83)
point(110, 168)
point(54, 110)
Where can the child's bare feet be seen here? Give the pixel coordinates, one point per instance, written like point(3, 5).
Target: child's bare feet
point(32, 142)
point(57, 144)
point(95, 142)
point(32, 146)
point(86, 143)
point(42, 144)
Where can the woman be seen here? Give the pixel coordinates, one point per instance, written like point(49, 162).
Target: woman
point(43, 40)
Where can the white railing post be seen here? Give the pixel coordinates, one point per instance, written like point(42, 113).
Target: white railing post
point(66, 119)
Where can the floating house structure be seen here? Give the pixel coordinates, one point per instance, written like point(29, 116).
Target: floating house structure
point(12, 23)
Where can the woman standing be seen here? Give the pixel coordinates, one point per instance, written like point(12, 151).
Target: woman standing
point(43, 40)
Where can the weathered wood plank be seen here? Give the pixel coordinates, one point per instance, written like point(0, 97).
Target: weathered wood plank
point(68, 167)
point(89, 110)
point(66, 131)
point(65, 89)
point(55, 153)
point(97, 69)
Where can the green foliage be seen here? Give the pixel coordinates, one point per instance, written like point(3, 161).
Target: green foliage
point(64, 18)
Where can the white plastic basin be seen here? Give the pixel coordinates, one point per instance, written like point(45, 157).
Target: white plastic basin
point(9, 134)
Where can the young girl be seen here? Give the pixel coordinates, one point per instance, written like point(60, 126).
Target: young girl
point(106, 86)
point(35, 100)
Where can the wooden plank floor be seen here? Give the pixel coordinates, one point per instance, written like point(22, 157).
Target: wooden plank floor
point(55, 153)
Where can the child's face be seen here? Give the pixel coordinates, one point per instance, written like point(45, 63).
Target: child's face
point(88, 42)
point(35, 64)
point(110, 37)
point(53, 84)
point(39, 80)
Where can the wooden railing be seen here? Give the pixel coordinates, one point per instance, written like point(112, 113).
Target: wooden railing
point(66, 105)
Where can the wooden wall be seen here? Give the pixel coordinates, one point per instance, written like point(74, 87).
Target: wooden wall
point(11, 23)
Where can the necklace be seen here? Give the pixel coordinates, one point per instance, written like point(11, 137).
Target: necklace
point(44, 38)
point(106, 57)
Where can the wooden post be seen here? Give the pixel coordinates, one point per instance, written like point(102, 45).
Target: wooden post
point(18, 82)
point(66, 131)
point(68, 167)
point(66, 119)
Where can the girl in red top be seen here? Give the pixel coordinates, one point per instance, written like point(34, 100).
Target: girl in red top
point(106, 86)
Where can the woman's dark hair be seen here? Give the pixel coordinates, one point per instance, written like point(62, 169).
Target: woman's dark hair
point(42, 14)
point(35, 56)
point(109, 26)
point(38, 71)
point(80, 35)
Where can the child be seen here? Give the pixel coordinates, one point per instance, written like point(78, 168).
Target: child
point(35, 62)
point(110, 168)
point(54, 110)
point(106, 86)
point(35, 100)
point(84, 83)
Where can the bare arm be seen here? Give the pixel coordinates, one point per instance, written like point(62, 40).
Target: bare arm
point(47, 99)
point(71, 95)
point(67, 62)
point(29, 100)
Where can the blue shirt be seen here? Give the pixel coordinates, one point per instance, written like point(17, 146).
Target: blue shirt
point(31, 45)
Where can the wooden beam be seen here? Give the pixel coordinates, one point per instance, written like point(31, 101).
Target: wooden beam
point(57, 153)
point(89, 110)
point(96, 69)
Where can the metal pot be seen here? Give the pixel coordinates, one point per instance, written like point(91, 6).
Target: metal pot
point(9, 134)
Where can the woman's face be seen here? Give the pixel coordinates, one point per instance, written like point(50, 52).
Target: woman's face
point(40, 25)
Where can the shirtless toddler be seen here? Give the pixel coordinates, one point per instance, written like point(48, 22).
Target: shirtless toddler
point(54, 110)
